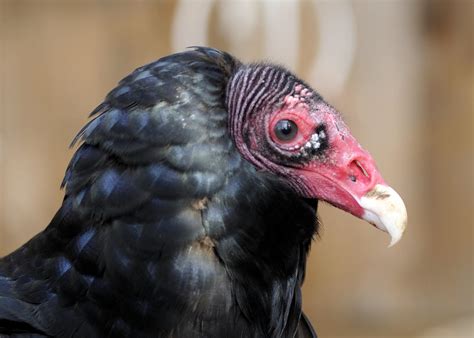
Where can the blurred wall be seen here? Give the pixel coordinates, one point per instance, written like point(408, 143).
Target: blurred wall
point(402, 71)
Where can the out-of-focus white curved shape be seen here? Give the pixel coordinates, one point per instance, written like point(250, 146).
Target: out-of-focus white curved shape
point(281, 31)
point(237, 21)
point(337, 39)
point(190, 24)
point(280, 23)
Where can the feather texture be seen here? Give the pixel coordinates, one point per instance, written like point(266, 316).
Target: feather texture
point(165, 230)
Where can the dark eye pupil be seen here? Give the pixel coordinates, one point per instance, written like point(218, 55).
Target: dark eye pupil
point(286, 130)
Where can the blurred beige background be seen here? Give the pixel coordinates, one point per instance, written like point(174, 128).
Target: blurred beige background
point(402, 71)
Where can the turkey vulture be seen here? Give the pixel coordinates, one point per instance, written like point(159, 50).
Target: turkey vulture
point(190, 206)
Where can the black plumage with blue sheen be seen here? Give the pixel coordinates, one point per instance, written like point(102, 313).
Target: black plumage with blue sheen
point(165, 230)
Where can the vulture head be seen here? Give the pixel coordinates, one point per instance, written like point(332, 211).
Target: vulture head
point(281, 125)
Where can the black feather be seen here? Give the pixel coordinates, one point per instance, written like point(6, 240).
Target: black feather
point(165, 230)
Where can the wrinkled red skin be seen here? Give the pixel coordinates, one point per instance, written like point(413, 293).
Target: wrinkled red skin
point(295, 108)
point(345, 173)
point(341, 172)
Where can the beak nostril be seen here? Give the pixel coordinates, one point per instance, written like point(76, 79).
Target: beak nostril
point(358, 172)
point(362, 168)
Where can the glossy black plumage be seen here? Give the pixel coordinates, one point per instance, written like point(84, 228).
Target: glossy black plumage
point(165, 230)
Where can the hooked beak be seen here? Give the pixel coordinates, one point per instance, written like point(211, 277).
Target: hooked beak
point(347, 178)
point(385, 209)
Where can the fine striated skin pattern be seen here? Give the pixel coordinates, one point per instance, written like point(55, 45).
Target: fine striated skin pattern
point(165, 230)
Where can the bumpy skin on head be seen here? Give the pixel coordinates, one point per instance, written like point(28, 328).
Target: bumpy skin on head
point(282, 126)
point(167, 228)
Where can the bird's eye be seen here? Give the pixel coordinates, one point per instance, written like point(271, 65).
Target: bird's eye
point(286, 130)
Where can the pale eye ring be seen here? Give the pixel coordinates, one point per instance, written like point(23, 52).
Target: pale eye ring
point(285, 130)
